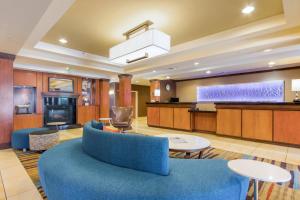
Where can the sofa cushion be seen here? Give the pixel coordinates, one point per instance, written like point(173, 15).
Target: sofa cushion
point(144, 153)
point(97, 125)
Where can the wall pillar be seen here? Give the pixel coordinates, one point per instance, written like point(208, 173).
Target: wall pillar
point(104, 97)
point(6, 100)
point(124, 90)
point(154, 85)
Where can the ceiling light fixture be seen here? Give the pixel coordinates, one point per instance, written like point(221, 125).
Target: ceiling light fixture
point(196, 63)
point(154, 71)
point(147, 44)
point(167, 77)
point(248, 9)
point(63, 41)
point(271, 63)
point(68, 68)
point(267, 50)
point(208, 72)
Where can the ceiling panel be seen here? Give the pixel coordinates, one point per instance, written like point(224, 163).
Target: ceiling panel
point(96, 25)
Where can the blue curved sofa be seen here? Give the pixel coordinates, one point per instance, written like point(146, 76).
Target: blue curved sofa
point(20, 138)
point(113, 166)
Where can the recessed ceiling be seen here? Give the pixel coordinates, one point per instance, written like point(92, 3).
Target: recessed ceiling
point(96, 25)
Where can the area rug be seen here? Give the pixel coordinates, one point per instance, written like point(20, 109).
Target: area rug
point(267, 191)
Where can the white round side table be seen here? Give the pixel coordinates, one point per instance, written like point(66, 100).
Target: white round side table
point(259, 171)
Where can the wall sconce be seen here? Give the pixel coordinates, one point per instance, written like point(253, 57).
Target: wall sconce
point(296, 88)
point(157, 92)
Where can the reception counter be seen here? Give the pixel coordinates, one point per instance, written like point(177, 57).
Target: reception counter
point(272, 122)
point(269, 122)
point(170, 115)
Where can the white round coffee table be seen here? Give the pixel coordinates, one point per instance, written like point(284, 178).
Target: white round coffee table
point(259, 171)
point(186, 143)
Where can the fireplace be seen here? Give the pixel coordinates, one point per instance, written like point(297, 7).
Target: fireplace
point(59, 109)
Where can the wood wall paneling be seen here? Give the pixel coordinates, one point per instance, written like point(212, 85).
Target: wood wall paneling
point(6, 100)
point(104, 99)
point(154, 84)
point(165, 94)
point(25, 78)
point(166, 117)
point(287, 127)
point(182, 119)
point(86, 113)
point(205, 121)
point(153, 116)
point(257, 124)
point(79, 91)
point(229, 122)
point(39, 90)
point(28, 121)
point(125, 90)
point(96, 92)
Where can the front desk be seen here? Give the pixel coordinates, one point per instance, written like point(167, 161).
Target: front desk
point(170, 115)
point(272, 122)
point(269, 122)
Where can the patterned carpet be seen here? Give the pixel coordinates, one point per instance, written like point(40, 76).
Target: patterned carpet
point(267, 191)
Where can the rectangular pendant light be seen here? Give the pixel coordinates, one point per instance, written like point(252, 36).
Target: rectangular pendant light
point(145, 45)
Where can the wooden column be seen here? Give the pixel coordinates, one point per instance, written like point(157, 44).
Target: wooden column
point(6, 100)
point(125, 90)
point(104, 98)
point(154, 84)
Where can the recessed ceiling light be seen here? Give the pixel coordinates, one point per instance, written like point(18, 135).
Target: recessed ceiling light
point(267, 50)
point(63, 41)
point(248, 9)
point(137, 81)
point(154, 71)
point(208, 72)
point(171, 68)
point(168, 77)
point(196, 63)
point(271, 63)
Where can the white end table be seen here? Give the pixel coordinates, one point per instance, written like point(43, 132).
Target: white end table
point(259, 171)
point(105, 120)
point(186, 143)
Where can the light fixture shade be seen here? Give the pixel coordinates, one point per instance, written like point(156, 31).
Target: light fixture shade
point(295, 85)
point(157, 92)
point(148, 44)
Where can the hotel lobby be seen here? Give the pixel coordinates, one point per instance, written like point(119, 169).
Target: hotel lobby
point(149, 100)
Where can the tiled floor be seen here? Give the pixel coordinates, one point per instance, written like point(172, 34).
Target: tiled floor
point(15, 184)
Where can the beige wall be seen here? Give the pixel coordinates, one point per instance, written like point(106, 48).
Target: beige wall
point(186, 90)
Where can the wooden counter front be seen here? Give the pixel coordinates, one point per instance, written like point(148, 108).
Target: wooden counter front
point(170, 115)
point(204, 121)
point(271, 122)
point(229, 122)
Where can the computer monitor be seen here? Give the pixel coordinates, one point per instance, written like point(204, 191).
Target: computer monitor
point(174, 100)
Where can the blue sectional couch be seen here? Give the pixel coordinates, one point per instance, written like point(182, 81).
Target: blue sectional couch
point(113, 166)
point(20, 138)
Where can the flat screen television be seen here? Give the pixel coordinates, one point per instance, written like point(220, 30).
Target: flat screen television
point(61, 85)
